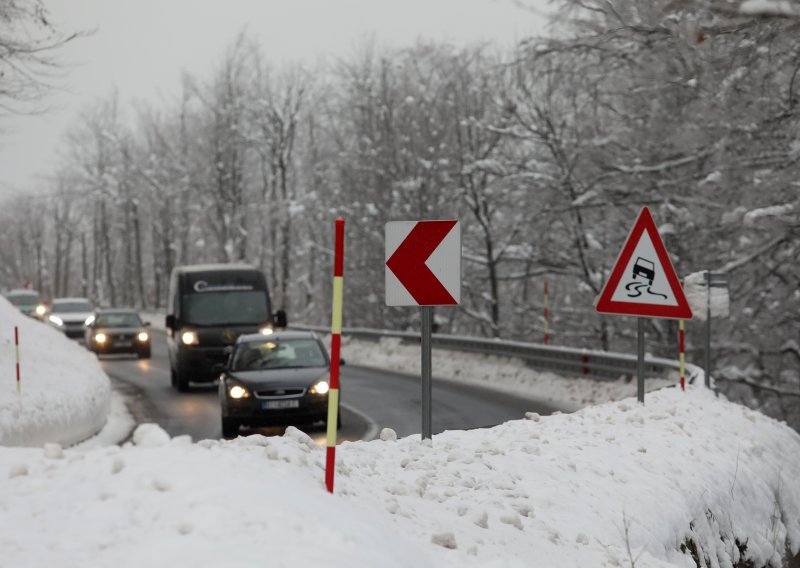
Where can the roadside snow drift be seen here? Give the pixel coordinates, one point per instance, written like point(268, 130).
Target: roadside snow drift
point(65, 394)
point(615, 485)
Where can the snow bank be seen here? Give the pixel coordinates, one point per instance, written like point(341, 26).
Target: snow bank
point(593, 488)
point(499, 373)
point(65, 394)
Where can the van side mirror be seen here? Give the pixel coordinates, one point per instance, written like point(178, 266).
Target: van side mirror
point(342, 362)
point(170, 321)
point(280, 319)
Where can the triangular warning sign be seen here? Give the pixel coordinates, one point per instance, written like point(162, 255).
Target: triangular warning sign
point(643, 281)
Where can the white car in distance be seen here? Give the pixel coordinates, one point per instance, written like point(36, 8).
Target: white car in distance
point(71, 316)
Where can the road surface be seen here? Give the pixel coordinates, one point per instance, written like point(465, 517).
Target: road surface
point(370, 397)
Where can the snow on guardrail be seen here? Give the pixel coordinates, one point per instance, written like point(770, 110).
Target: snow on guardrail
point(592, 363)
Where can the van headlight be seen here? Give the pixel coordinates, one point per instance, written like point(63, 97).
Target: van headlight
point(189, 338)
point(56, 320)
point(266, 330)
point(88, 321)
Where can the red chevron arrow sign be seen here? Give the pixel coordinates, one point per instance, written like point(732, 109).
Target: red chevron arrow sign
point(423, 263)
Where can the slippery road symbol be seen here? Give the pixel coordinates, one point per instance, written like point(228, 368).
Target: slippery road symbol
point(645, 269)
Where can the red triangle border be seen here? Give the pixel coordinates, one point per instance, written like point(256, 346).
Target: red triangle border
point(604, 303)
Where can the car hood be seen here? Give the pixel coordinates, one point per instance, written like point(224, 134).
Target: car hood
point(72, 317)
point(302, 377)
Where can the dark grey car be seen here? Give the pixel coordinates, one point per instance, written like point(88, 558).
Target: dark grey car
point(278, 379)
point(118, 331)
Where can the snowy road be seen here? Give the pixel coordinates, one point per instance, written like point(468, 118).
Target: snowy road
point(390, 399)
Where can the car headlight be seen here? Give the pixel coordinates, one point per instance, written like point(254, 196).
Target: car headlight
point(266, 330)
point(238, 391)
point(142, 336)
point(322, 387)
point(40, 310)
point(56, 320)
point(189, 338)
point(88, 321)
point(100, 338)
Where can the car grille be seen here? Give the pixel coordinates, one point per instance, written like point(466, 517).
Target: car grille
point(123, 337)
point(280, 393)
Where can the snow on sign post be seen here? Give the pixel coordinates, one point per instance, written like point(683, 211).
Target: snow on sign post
point(643, 283)
point(423, 268)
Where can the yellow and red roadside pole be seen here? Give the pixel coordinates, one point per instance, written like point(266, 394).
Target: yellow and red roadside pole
point(681, 357)
point(336, 345)
point(16, 345)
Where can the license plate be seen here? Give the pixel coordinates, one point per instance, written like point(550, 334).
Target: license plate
point(273, 404)
point(124, 344)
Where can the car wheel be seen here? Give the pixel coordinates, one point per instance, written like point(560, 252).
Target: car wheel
point(182, 382)
point(230, 428)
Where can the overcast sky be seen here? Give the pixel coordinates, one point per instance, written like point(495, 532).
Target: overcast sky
point(140, 48)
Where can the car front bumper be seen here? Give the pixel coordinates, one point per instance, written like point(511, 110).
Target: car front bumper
point(253, 411)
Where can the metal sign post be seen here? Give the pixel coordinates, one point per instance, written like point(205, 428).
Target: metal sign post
point(713, 280)
point(427, 383)
point(643, 283)
point(423, 268)
point(640, 359)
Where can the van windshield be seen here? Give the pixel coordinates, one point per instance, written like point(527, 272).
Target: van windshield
point(71, 307)
point(236, 307)
point(23, 299)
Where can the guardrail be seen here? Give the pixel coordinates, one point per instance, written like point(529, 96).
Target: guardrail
point(601, 365)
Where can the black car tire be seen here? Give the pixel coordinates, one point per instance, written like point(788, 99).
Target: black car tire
point(182, 382)
point(230, 428)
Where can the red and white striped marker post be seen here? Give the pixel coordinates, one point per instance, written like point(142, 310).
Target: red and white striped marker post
point(16, 345)
point(336, 343)
point(546, 315)
point(681, 357)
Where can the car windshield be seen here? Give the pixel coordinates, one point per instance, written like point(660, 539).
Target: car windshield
point(71, 307)
point(23, 299)
point(278, 354)
point(225, 308)
point(118, 320)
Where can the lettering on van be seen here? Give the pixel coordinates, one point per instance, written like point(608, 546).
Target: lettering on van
point(203, 286)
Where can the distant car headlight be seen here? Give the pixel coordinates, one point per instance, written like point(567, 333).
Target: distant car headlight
point(100, 338)
point(40, 310)
point(321, 387)
point(88, 321)
point(56, 320)
point(237, 391)
point(142, 336)
point(266, 330)
point(189, 338)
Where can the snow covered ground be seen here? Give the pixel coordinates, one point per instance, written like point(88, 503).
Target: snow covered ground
point(610, 485)
point(64, 396)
